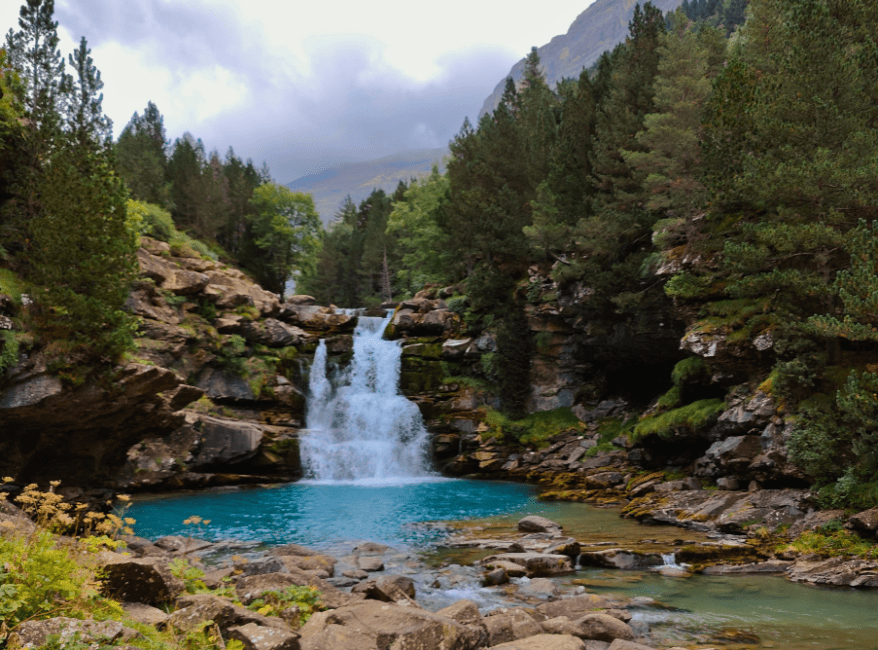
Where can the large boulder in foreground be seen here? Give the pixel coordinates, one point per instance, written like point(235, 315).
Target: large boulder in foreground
point(543, 642)
point(373, 625)
point(142, 580)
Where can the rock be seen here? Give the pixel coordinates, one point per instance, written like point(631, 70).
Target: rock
point(734, 453)
point(540, 588)
point(143, 580)
point(537, 524)
point(603, 627)
point(573, 608)
point(315, 562)
point(370, 564)
point(464, 611)
point(372, 625)
point(536, 564)
point(835, 571)
point(496, 577)
point(569, 547)
point(543, 642)
point(616, 558)
point(865, 521)
point(261, 566)
point(218, 384)
point(195, 609)
point(35, 634)
point(356, 574)
point(623, 644)
point(389, 589)
point(560, 625)
point(249, 588)
point(455, 348)
point(273, 333)
point(179, 545)
point(257, 637)
point(146, 614)
point(510, 624)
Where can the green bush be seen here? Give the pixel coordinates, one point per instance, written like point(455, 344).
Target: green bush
point(534, 429)
point(8, 350)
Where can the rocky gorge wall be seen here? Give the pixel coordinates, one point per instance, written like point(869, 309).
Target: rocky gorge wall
point(215, 393)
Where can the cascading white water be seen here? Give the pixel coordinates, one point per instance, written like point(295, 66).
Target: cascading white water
point(359, 427)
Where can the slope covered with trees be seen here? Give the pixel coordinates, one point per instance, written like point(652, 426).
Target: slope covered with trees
point(717, 172)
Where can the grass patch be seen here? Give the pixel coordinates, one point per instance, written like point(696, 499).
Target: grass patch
point(535, 429)
point(12, 285)
point(831, 541)
point(692, 418)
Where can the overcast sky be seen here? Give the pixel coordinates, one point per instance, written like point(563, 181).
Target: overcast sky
point(306, 84)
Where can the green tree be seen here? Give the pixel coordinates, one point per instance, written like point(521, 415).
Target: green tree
point(86, 122)
point(426, 255)
point(283, 235)
point(142, 159)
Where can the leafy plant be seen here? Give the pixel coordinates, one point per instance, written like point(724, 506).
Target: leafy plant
point(691, 418)
point(273, 603)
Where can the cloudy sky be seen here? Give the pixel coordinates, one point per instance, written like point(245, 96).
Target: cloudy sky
point(305, 84)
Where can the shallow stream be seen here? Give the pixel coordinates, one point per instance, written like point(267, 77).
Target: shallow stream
point(724, 612)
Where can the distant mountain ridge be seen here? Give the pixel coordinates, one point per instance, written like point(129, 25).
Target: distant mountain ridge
point(330, 186)
point(596, 30)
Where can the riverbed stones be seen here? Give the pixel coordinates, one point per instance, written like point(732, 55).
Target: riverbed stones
point(195, 609)
point(603, 627)
point(370, 563)
point(624, 644)
point(372, 625)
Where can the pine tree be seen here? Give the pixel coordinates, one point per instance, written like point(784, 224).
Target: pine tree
point(86, 121)
point(142, 158)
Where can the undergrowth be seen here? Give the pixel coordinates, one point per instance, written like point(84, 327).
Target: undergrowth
point(831, 540)
point(535, 429)
point(691, 418)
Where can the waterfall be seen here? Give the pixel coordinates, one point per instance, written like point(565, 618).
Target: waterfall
point(359, 427)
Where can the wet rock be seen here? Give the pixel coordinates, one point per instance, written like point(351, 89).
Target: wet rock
point(356, 574)
point(539, 588)
point(370, 563)
point(496, 577)
point(616, 558)
point(257, 637)
point(536, 564)
point(537, 524)
point(573, 608)
point(767, 567)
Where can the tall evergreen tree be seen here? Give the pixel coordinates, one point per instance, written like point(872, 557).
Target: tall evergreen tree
point(142, 157)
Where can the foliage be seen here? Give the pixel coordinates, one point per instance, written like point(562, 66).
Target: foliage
point(833, 541)
point(283, 235)
point(691, 418)
point(305, 599)
point(535, 428)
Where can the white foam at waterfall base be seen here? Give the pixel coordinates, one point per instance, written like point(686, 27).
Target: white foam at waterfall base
point(360, 429)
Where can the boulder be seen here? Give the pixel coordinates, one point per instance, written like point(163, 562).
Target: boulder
point(140, 580)
point(536, 564)
point(273, 333)
point(511, 624)
point(372, 625)
point(574, 607)
point(537, 524)
point(218, 384)
point(539, 588)
point(543, 642)
point(179, 545)
point(865, 522)
point(389, 589)
point(261, 566)
point(624, 644)
point(35, 634)
point(315, 562)
point(226, 441)
point(463, 611)
point(195, 609)
point(370, 563)
point(249, 588)
point(146, 614)
point(257, 637)
point(603, 627)
point(616, 558)
point(560, 625)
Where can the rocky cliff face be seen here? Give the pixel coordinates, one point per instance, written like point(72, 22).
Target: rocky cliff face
point(597, 29)
point(213, 394)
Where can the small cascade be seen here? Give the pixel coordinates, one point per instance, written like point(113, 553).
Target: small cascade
point(669, 567)
point(359, 427)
